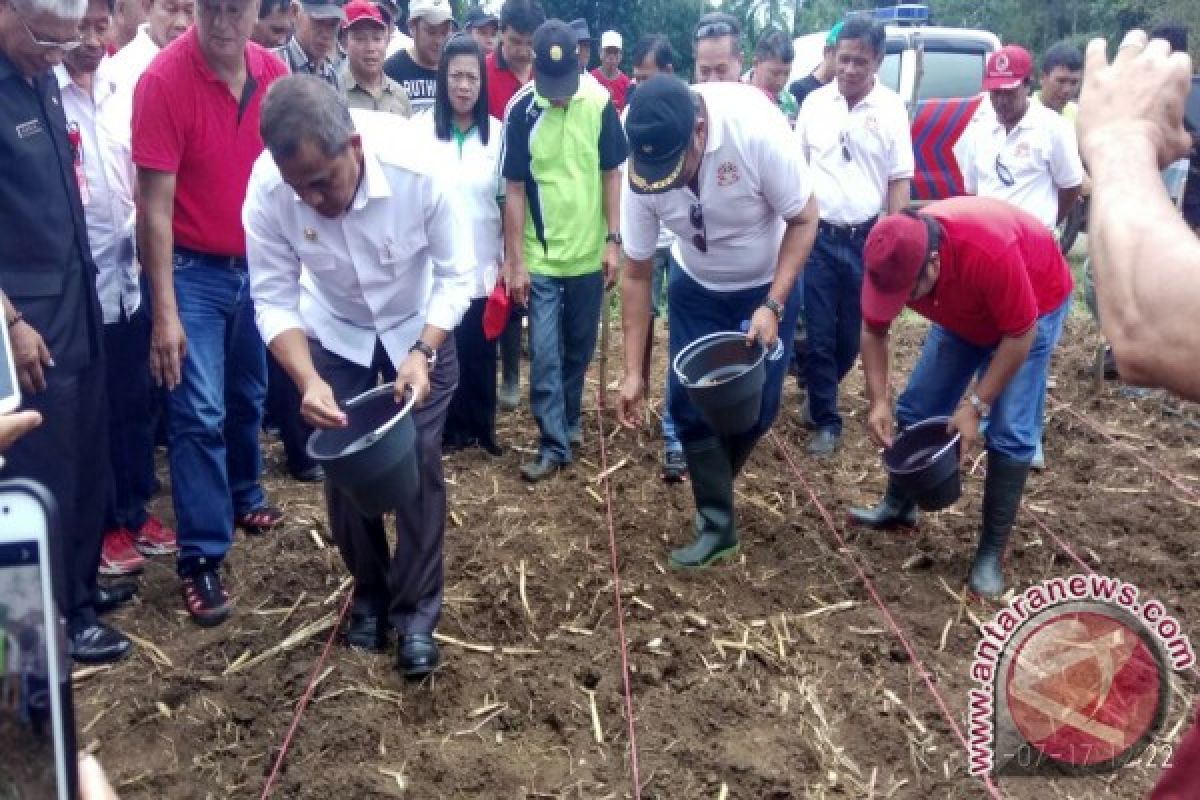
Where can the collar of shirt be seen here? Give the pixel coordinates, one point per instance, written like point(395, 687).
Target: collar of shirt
point(298, 60)
point(870, 99)
point(350, 82)
point(103, 86)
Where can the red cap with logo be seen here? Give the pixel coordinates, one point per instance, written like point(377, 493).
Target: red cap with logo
point(895, 251)
point(1007, 68)
point(363, 11)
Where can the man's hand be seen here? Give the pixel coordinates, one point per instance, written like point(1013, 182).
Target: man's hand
point(516, 278)
point(966, 422)
point(319, 408)
point(880, 426)
point(30, 356)
point(414, 374)
point(631, 410)
point(168, 347)
point(611, 265)
point(764, 327)
point(1140, 96)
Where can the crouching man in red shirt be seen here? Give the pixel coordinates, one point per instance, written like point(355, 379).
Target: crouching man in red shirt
point(991, 279)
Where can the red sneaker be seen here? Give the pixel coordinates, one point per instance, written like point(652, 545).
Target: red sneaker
point(155, 539)
point(118, 556)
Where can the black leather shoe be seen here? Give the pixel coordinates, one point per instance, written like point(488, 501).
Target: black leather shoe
point(540, 470)
point(368, 626)
point(313, 474)
point(99, 644)
point(110, 598)
point(417, 655)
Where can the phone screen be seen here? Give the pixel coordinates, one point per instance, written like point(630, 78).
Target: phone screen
point(28, 769)
point(9, 392)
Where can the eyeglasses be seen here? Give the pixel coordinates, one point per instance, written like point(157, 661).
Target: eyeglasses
point(696, 217)
point(44, 44)
point(844, 140)
point(711, 30)
point(1003, 173)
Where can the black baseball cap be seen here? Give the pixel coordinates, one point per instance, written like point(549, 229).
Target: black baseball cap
point(582, 33)
point(478, 17)
point(555, 63)
point(323, 9)
point(660, 123)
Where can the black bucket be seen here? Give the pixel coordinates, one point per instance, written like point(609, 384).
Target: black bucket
point(923, 463)
point(374, 458)
point(724, 378)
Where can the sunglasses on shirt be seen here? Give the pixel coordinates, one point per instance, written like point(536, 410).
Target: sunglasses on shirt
point(696, 217)
point(1003, 173)
point(844, 140)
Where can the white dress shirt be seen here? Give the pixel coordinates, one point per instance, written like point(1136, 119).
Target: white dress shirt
point(383, 270)
point(1025, 166)
point(751, 179)
point(109, 223)
point(874, 134)
point(472, 169)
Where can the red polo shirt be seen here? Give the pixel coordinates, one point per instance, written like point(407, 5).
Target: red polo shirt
point(503, 83)
point(618, 87)
point(187, 123)
point(1001, 270)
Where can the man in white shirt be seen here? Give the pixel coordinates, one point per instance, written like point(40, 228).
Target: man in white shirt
point(1024, 153)
point(385, 279)
point(129, 530)
point(716, 165)
point(855, 134)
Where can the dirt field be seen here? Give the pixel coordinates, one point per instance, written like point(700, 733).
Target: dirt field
point(814, 697)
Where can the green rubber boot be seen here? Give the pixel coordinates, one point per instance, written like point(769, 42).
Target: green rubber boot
point(712, 487)
point(1002, 490)
point(895, 510)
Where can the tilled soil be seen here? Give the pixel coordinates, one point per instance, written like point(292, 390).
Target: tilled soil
point(775, 676)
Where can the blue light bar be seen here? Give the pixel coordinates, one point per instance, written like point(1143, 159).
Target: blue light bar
point(901, 14)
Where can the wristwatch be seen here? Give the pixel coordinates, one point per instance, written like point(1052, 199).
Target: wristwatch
point(981, 408)
point(425, 350)
point(613, 238)
point(774, 307)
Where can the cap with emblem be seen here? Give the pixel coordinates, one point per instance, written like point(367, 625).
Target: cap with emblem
point(893, 256)
point(1007, 68)
point(478, 17)
point(555, 64)
point(323, 9)
point(660, 123)
point(435, 12)
point(363, 13)
point(611, 39)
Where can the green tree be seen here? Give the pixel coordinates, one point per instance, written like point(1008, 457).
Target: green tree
point(635, 19)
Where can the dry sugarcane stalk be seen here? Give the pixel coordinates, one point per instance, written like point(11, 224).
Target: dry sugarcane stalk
point(521, 589)
point(597, 730)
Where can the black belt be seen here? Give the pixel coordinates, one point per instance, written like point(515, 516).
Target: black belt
point(232, 262)
point(857, 231)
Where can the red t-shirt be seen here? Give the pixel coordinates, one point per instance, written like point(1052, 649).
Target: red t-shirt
point(503, 83)
point(618, 87)
point(1181, 780)
point(187, 123)
point(1001, 270)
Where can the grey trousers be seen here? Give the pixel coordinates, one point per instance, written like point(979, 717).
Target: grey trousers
point(408, 582)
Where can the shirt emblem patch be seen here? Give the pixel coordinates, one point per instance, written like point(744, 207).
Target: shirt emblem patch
point(31, 128)
point(1021, 150)
point(727, 174)
point(871, 123)
point(310, 234)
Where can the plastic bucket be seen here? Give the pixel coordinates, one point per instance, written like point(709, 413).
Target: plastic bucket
point(724, 378)
point(374, 458)
point(923, 463)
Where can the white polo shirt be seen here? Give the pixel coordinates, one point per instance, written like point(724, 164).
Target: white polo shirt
point(874, 134)
point(473, 171)
point(381, 271)
point(1025, 166)
point(751, 178)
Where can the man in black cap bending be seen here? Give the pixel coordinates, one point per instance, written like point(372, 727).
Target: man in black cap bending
point(715, 165)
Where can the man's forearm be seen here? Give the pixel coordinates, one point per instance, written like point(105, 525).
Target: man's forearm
point(635, 312)
point(797, 243)
point(433, 336)
point(876, 369)
point(514, 220)
point(290, 349)
point(898, 195)
point(1008, 358)
point(155, 243)
point(612, 199)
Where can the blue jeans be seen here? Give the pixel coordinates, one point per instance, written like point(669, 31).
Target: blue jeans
point(564, 315)
point(131, 421)
point(694, 311)
point(945, 368)
point(215, 414)
point(832, 288)
point(660, 272)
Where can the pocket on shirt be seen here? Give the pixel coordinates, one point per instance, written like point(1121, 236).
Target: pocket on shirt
point(396, 255)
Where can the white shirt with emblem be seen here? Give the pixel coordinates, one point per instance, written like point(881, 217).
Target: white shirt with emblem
point(382, 270)
point(751, 179)
point(855, 152)
point(1025, 166)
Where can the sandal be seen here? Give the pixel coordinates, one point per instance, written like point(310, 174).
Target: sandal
point(260, 520)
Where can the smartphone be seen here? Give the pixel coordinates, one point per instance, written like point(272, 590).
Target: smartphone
point(1191, 111)
point(10, 389)
point(38, 759)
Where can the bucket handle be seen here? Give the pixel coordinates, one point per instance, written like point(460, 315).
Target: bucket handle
point(776, 351)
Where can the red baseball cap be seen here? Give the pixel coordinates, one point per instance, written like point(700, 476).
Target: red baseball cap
point(1007, 68)
point(896, 250)
point(363, 10)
